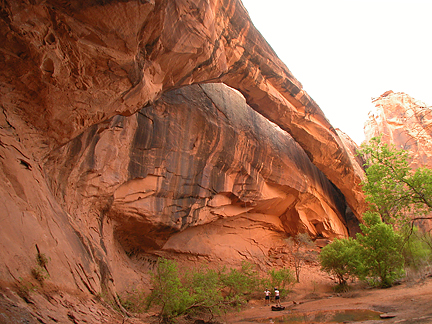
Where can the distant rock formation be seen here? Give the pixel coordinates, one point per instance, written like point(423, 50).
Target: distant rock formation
point(404, 122)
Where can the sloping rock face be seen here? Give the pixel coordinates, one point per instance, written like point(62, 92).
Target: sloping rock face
point(404, 122)
point(108, 160)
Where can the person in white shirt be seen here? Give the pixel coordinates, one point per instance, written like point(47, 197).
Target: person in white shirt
point(277, 297)
point(267, 297)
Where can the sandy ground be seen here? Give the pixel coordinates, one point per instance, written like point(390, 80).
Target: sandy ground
point(313, 300)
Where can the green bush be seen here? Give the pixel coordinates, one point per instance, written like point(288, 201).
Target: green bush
point(374, 256)
point(168, 291)
point(341, 259)
point(239, 284)
point(417, 250)
point(380, 251)
point(205, 288)
point(282, 279)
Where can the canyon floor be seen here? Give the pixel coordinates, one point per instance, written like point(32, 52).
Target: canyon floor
point(313, 300)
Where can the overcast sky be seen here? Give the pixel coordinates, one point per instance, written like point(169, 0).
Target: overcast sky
point(345, 52)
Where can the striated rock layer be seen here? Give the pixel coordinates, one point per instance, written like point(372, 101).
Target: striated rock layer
point(404, 122)
point(107, 160)
point(198, 156)
point(66, 69)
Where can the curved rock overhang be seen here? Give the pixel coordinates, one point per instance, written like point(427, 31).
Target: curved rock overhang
point(69, 65)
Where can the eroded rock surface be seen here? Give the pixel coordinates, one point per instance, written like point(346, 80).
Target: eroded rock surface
point(66, 68)
point(404, 122)
point(107, 161)
point(198, 156)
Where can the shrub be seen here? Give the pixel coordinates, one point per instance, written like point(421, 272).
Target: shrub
point(341, 259)
point(205, 288)
point(298, 246)
point(40, 272)
point(417, 252)
point(168, 290)
point(133, 301)
point(41, 259)
point(239, 283)
point(375, 255)
point(282, 279)
point(380, 251)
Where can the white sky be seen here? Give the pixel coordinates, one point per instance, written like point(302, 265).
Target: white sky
point(344, 52)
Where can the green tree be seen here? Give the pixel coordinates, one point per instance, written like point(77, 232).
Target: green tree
point(168, 291)
point(341, 259)
point(380, 251)
point(391, 187)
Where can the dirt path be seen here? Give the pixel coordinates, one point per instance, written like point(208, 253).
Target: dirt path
point(314, 301)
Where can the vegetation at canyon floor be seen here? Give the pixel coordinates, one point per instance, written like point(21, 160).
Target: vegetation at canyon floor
point(210, 291)
point(375, 255)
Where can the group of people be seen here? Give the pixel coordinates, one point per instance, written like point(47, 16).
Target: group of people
point(267, 297)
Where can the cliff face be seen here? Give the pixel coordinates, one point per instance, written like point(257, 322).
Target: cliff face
point(66, 69)
point(404, 122)
point(200, 155)
point(117, 146)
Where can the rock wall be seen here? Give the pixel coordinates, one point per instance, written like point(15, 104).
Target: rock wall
point(117, 147)
point(198, 156)
point(66, 68)
point(404, 122)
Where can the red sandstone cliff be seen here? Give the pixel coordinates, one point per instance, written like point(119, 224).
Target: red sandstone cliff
point(199, 156)
point(404, 122)
point(108, 160)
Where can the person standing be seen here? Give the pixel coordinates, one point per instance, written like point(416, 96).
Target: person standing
point(267, 297)
point(277, 297)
